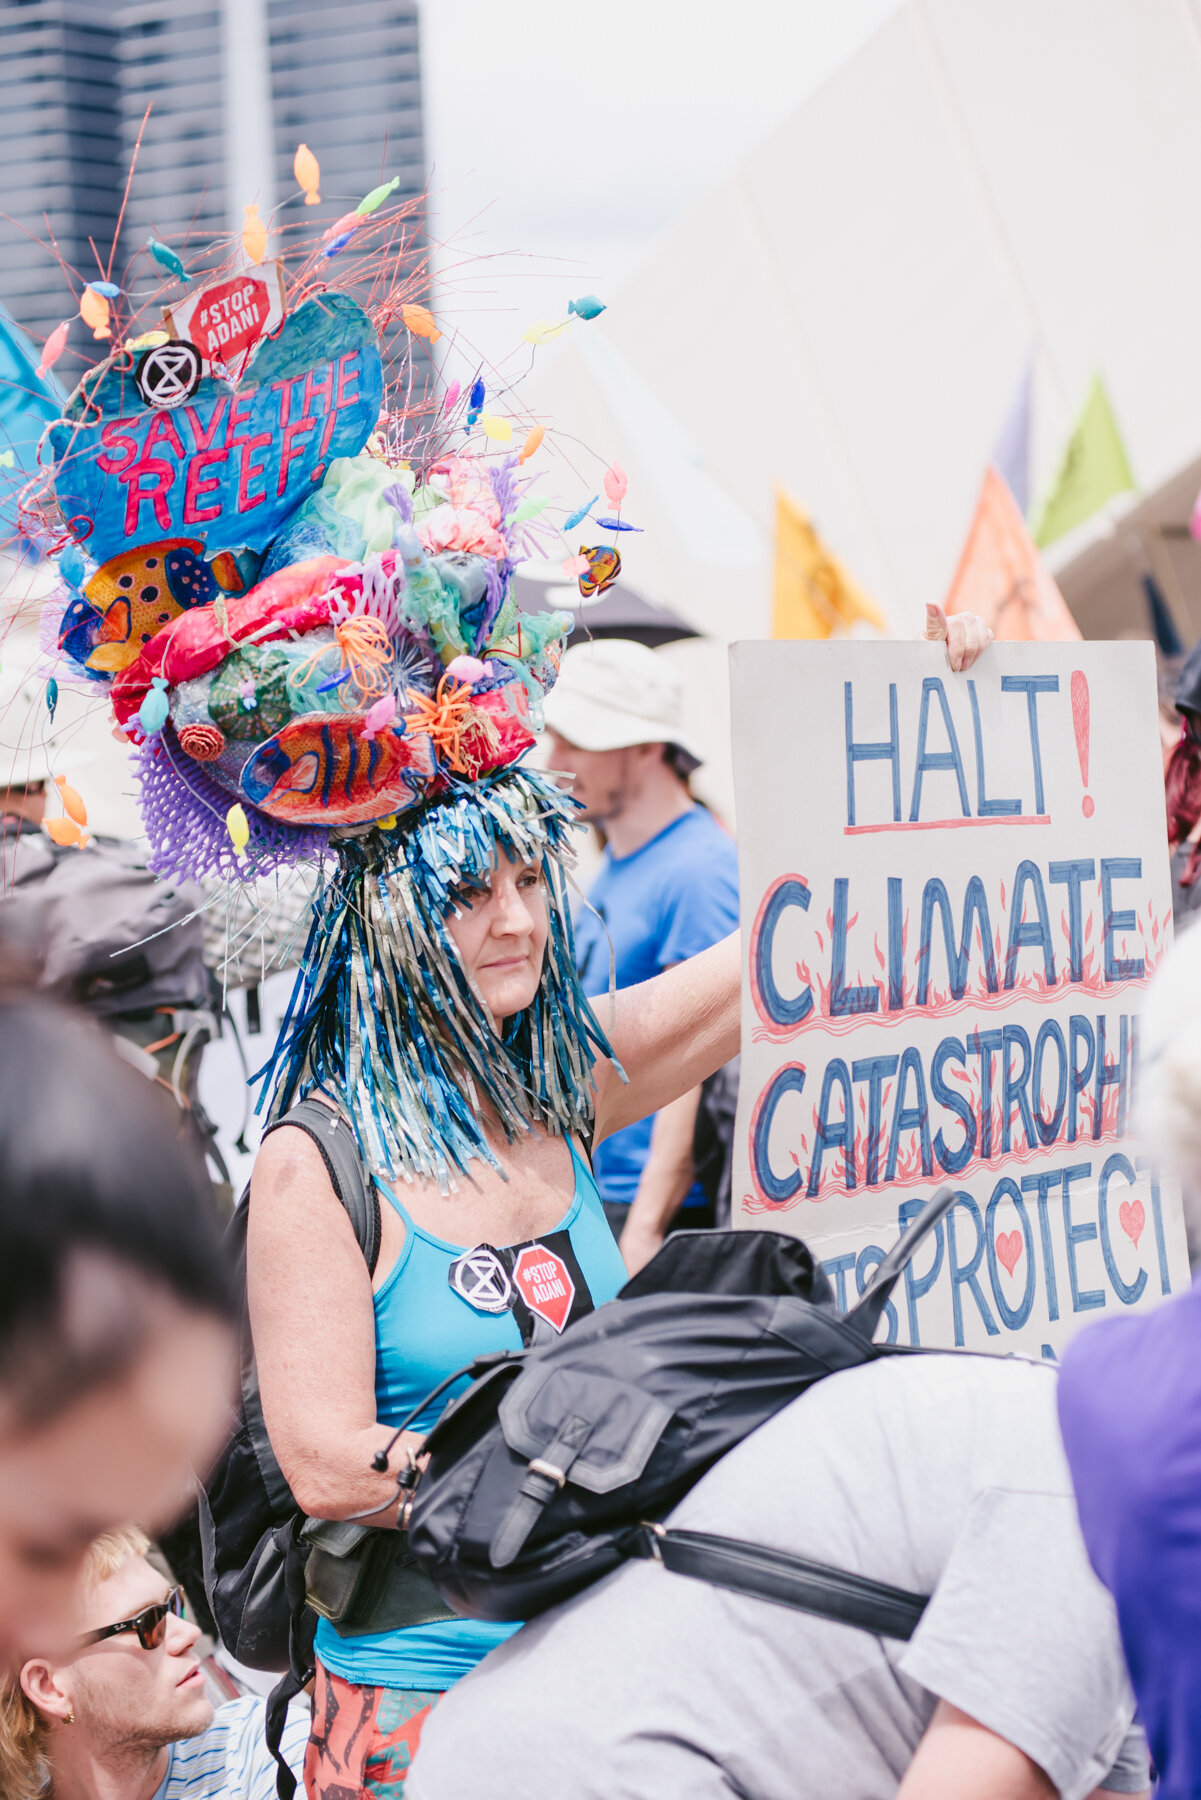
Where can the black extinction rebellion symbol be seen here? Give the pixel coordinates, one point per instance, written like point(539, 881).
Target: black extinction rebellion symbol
point(480, 1277)
point(169, 373)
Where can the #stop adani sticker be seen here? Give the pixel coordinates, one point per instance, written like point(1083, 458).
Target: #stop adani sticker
point(225, 319)
point(544, 1282)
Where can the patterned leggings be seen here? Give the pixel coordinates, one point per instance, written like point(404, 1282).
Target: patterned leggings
point(363, 1739)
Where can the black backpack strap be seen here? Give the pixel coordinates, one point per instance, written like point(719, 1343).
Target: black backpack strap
point(330, 1130)
point(865, 1316)
point(787, 1580)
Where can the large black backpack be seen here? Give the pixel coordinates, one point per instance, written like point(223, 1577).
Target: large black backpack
point(561, 1461)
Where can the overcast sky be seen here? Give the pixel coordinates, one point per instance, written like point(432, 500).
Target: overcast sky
point(562, 137)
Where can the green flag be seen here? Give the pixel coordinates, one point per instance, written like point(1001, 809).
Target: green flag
point(1094, 468)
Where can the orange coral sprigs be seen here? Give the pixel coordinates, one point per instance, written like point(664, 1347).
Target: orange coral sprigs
point(460, 733)
point(365, 648)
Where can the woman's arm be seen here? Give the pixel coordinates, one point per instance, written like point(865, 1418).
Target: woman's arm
point(311, 1313)
point(673, 1031)
point(668, 1035)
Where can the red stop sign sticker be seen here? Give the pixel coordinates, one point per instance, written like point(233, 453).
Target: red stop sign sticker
point(230, 317)
point(542, 1280)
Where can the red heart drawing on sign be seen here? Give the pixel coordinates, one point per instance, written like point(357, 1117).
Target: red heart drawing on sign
point(1009, 1248)
point(1132, 1218)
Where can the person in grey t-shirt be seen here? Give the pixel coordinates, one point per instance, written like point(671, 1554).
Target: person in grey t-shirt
point(940, 1474)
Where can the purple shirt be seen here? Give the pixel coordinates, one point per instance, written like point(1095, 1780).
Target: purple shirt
point(1130, 1413)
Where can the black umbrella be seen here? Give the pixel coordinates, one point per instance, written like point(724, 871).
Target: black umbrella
point(619, 613)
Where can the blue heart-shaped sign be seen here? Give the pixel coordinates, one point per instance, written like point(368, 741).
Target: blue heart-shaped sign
point(232, 465)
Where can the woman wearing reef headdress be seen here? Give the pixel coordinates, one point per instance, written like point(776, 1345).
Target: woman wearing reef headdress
point(495, 1077)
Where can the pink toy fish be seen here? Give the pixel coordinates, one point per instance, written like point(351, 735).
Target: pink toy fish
point(615, 484)
point(381, 712)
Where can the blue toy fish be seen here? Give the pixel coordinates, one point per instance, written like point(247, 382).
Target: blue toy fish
point(166, 258)
point(608, 524)
point(586, 307)
point(577, 518)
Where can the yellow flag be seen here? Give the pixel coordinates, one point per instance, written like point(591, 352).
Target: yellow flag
point(813, 596)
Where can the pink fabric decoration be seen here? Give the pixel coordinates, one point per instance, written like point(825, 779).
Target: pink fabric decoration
point(460, 528)
point(468, 669)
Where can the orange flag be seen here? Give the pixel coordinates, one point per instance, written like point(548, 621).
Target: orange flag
point(1001, 575)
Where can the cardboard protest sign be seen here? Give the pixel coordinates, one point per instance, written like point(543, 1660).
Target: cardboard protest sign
point(954, 892)
point(232, 464)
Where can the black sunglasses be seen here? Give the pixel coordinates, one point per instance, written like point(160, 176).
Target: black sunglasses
point(150, 1624)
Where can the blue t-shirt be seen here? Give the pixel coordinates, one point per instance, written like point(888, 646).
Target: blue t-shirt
point(675, 896)
point(1130, 1414)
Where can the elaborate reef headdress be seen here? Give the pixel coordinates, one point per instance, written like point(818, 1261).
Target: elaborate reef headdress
point(302, 611)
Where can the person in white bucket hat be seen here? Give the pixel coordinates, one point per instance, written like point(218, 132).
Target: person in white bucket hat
point(667, 889)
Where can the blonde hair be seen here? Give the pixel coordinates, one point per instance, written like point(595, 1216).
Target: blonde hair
point(24, 1732)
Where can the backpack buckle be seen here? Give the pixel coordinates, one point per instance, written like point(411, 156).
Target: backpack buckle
point(538, 1466)
point(654, 1532)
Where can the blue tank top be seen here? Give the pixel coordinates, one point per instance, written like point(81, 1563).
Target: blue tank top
point(442, 1305)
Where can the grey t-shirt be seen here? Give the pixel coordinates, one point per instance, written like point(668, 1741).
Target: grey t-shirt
point(943, 1475)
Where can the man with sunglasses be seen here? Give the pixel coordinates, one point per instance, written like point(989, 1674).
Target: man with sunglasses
point(124, 1713)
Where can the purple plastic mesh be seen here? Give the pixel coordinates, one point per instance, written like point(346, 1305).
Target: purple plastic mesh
point(184, 810)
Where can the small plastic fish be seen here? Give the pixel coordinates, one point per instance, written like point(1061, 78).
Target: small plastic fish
point(73, 805)
point(494, 427)
point(338, 245)
point(326, 687)
point(307, 171)
point(616, 483)
point(527, 509)
point(375, 199)
point(609, 524)
point(452, 395)
point(348, 222)
point(54, 346)
point(381, 712)
point(604, 566)
point(476, 397)
point(586, 307)
point(109, 289)
point(94, 311)
point(166, 258)
point(7, 459)
point(575, 565)
point(52, 698)
point(65, 831)
point(544, 331)
point(152, 714)
point(238, 827)
point(420, 321)
point(254, 234)
point(71, 565)
point(533, 439)
point(581, 513)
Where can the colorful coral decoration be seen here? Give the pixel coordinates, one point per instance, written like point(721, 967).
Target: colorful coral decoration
point(305, 623)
